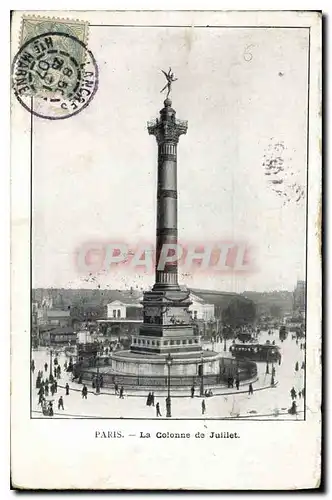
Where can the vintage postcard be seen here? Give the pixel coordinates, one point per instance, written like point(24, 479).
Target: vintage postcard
point(166, 250)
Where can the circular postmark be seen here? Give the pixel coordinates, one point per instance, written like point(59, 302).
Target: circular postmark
point(54, 76)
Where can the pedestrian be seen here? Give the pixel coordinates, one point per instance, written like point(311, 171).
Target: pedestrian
point(192, 391)
point(67, 389)
point(60, 403)
point(300, 394)
point(84, 392)
point(203, 407)
point(293, 393)
point(293, 409)
point(297, 366)
point(158, 410)
point(50, 409)
point(55, 385)
point(45, 367)
point(121, 396)
point(302, 366)
point(116, 389)
point(148, 399)
point(237, 383)
point(251, 390)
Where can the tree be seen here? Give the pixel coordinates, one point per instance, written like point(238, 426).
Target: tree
point(275, 311)
point(239, 312)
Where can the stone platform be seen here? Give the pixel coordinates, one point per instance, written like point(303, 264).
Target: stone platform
point(134, 370)
point(183, 364)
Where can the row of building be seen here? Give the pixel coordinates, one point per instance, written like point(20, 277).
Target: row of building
point(59, 321)
point(124, 312)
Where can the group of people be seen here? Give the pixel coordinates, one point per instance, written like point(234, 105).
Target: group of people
point(56, 371)
point(48, 386)
point(207, 393)
point(98, 382)
point(231, 380)
point(294, 394)
point(150, 399)
point(119, 392)
point(47, 406)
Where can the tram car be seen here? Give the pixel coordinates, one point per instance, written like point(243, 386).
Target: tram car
point(256, 352)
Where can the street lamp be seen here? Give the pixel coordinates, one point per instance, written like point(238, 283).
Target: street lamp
point(267, 371)
point(97, 380)
point(273, 374)
point(202, 376)
point(169, 362)
point(51, 352)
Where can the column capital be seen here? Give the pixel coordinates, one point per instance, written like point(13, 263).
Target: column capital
point(167, 130)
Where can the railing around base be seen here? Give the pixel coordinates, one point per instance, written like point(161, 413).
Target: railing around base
point(229, 368)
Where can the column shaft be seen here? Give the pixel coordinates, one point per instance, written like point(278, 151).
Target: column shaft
point(166, 211)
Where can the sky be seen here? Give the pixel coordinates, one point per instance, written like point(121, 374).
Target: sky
point(244, 94)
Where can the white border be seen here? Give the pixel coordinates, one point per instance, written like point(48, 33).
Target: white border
point(18, 352)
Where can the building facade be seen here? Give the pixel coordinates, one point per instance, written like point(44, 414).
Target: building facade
point(124, 310)
point(201, 310)
point(299, 297)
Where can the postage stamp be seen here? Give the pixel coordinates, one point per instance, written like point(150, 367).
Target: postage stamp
point(33, 26)
point(54, 74)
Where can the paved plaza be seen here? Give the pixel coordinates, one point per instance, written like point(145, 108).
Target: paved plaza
point(266, 403)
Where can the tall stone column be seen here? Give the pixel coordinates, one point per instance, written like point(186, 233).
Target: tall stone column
point(167, 130)
point(167, 327)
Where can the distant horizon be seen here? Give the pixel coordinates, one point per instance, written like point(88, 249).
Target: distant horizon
point(143, 289)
